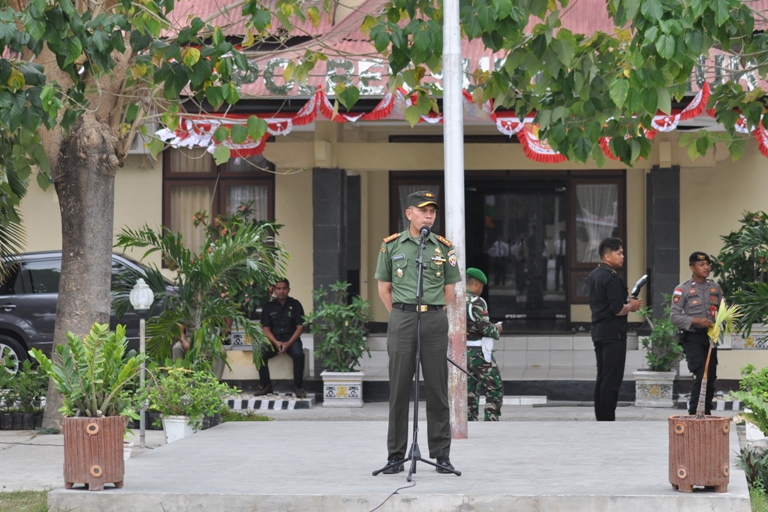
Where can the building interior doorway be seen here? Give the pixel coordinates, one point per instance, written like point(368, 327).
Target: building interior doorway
point(516, 232)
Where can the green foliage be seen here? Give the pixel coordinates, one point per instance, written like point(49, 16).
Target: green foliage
point(250, 415)
point(341, 326)
point(753, 382)
point(93, 373)
point(753, 460)
point(203, 300)
point(24, 391)
point(663, 349)
point(742, 269)
point(177, 391)
point(758, 406)
point(248, 294)
point(586, 86)
point(758, 498)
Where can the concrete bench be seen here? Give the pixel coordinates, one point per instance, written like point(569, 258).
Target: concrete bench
point(280, 367)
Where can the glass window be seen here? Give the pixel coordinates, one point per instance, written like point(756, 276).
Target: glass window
point(256, 195)
point(43, 276)
point(11, 284)
point(196, 160)
point(597, 218)
point(186, 200)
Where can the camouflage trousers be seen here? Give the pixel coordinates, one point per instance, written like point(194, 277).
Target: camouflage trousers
point(487, 376)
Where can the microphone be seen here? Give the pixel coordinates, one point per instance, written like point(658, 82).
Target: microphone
point(424, 233)
point(639, 286)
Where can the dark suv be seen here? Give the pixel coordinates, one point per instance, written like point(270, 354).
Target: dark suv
point(28, 298)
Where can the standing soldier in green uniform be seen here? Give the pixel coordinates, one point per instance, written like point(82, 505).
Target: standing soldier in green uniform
point(694, 308)
point(480, 360)
point(397, 274)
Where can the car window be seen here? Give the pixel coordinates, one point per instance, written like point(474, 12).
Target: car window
point(42, 276)
point(11, 284)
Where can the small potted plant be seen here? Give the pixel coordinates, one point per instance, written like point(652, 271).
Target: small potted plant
point(92, 374)
point(184, 397)
point(339, 329)
point(24, 396)
point(654, 385)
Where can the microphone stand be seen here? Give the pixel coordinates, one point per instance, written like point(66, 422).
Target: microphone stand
point(414, 454)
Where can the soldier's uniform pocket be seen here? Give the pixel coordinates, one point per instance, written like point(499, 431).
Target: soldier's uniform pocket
point(398, 267)
point(695, 307)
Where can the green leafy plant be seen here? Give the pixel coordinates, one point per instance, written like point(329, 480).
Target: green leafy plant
point(248, 294)
point(178, 391)
point(758, 406)
point(230, 415)
point(741, 267)
point(205, 299)
point(341, 326)
point(754, 382)
point(662, 348)
point(93, 373)
point(754, 461)
point(26, 389)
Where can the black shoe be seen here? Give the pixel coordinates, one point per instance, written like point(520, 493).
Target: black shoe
point(300, 393)
point(266, 390)
point(444, 465)
point(393, 470)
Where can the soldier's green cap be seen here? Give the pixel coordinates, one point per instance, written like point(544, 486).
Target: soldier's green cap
point(477, 274)
point(698, 256)
point(422, 198)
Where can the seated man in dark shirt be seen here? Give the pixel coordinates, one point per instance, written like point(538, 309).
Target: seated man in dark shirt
point(282, 320)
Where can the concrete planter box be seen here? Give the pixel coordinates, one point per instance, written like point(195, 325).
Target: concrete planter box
point(654, 389)
point(342, 389)
point(177, 427)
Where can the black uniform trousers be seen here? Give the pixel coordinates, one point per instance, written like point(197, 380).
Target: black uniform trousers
point(401, 346)
point(696, 346)
point(296, 351)
point(611, 356)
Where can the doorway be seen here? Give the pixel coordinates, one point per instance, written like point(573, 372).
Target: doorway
point(516, 233)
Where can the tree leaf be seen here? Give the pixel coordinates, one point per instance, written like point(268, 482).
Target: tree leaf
point(349, 96)
point(43, 180)
point(221, 134)
point(618, 91)
point(221, 154)
point(582, 148)
point(664, 100)
point(652, 9)
point(239, 133)
point(413, 115)
point(665, 45)
point(257, 127)
point(190, 56)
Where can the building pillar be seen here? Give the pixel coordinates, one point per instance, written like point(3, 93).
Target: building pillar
point(663, 255)
point(329, 256)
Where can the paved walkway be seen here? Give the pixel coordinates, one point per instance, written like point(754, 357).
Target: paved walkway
point(537, 458)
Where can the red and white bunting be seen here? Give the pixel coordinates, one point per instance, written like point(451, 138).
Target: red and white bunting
point(197, 131)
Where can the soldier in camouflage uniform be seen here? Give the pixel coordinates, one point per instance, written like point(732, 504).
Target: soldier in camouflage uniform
point(480, 360)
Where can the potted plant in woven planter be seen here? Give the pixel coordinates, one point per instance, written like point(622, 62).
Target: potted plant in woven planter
point(654, 384)
point(340, 341)
point(184, 398)
point(92, 374)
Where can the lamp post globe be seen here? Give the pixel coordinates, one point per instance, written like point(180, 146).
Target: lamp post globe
point(141, 296)
point(141, 299)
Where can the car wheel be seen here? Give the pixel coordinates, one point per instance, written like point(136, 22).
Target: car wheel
point(12, 354)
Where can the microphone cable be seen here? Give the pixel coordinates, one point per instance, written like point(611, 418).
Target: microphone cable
point(396, 491)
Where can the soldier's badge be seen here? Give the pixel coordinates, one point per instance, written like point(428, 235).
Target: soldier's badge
point(695, 302)
point(693, 290)
point(384, 250)
point(713, 299)
point(676, 299)
point(713, 290)
point(452, 260)
point(438, 274)
point(399, 272)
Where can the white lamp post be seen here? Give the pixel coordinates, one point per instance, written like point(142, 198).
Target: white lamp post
point(141, 299)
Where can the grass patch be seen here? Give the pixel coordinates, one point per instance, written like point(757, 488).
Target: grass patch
point(230, 415)
point(758, 499)
point(26, 501)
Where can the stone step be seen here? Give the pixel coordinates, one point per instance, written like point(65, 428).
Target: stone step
point(520, 400)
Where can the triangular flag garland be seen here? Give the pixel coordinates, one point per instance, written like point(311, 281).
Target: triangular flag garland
point(197, 130)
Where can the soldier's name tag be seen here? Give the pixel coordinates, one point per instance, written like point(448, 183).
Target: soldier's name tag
point(397, 257)
point(439, 260)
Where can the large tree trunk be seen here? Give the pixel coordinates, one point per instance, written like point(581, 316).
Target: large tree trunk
point(84, 177)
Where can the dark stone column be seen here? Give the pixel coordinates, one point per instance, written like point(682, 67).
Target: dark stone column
point(329, 258)
point(663, 234)
point(353, 214)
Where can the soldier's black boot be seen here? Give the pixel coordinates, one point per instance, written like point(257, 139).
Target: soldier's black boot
point(444, 465)
point(266, 390)
point(392, 470)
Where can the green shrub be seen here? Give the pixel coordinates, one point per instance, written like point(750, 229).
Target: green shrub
point(176, 391)
point(755, 382)
point(754, 461)
point(26, 389)
point(341, 326)
point(663, 349)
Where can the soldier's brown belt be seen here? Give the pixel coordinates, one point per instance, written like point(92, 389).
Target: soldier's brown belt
point(415, 307)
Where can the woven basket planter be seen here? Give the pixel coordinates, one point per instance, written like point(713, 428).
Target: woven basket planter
point(93, 451)
point(699, 452)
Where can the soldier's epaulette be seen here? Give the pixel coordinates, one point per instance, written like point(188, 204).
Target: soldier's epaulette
point(444, 241)
point(391, 237)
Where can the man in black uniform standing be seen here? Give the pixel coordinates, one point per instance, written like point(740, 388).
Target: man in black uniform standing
point(282, 320)
point(694, 307)
point(608, 303)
